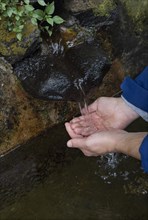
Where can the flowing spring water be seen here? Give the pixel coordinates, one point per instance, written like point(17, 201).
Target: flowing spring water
point(111, 157)
point(82, 102)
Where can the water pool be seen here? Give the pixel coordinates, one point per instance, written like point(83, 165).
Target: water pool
point(45, 180)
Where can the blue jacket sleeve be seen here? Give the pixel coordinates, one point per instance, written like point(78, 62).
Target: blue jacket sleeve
point(136, 93)
point(144, 154)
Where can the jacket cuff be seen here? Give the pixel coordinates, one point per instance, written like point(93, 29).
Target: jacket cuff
point(139, 111)
point(144, 154)
point(135, 94)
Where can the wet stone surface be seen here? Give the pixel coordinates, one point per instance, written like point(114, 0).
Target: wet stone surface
point(129, 44)
point(89, 19)
point(90, 62)
point(55, 77)
point(28, 165)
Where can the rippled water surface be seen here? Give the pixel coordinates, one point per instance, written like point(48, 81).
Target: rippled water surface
point(45, 180)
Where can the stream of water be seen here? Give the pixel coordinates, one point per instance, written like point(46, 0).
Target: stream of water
point(83, 104)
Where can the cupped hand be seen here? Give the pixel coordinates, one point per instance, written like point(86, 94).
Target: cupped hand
point(106, 113)
point(96, 144)
point(103, 142)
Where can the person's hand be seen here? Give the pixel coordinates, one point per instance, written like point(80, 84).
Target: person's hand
point(105, 113)
point(96, 144)
point(104, 142)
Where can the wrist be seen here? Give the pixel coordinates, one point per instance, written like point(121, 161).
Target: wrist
point(128, 114)
point(130, 144)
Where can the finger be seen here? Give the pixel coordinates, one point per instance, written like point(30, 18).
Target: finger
point(79, 124)
point(77, 143)
point(77, 119)
point(87, 131)
point(70, 131)
point(85, 119)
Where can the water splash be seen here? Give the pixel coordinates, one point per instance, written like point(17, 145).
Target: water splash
point(57, 47)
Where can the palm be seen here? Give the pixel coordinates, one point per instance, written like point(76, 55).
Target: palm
point(103, 114)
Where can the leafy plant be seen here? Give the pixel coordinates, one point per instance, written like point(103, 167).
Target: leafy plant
point(18, 12)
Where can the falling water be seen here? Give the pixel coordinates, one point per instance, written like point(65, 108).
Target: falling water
point(110, 159)
point(82, 101)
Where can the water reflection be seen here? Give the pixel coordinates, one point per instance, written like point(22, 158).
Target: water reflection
point(63, 184)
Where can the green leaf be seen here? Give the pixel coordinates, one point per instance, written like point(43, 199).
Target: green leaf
point(50, 8)
point(49, 31)
point(17, 17)
point(27, 2)
point(58, 20)
point(19, 36)
point(29, 7)
point(16, 30)
point(14, 10)
point(50, 21)
point(20, 13)
point(34, 21)
point(21, 27)
point(42, 3)
point(3, 6)
point(38, 14)
point(9, 12)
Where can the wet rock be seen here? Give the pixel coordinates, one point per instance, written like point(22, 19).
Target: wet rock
point(90, 62)
point(89, 19)
point(14, 50)
point(92, 9)
point(6, 121)
point(126, 42)
point(137, 11)
point(46, 78)
point(58, 78)
point(79, 6)
point(21, 116)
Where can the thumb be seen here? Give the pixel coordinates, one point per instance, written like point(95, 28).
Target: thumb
point(77, 142)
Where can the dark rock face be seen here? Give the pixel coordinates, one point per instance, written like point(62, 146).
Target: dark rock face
point(89, 19)
point(77, 6)
point(56, 78)
point(128, 44)
point(90, 62)
point(43, 78)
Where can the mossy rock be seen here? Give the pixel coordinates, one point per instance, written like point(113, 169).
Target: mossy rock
point(14, 50)
point(100, 7)
point(138, 12)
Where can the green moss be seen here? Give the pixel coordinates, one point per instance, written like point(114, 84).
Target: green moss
point(9, 45)
point(103, 8)
point(138, 11)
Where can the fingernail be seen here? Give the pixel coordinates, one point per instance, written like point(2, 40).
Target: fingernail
point(69, 144)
